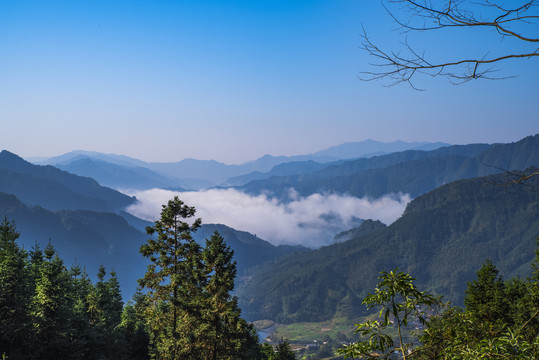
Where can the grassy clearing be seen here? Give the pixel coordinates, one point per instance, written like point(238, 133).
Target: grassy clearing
point(310, 331)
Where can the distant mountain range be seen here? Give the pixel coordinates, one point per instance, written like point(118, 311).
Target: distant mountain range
point(121, 176)
point(413, 172)
point(369, 148)
point(122, 172)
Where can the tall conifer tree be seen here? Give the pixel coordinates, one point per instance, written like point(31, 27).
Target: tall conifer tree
point(174, 279)
point(229, 336)
point(190, 310)
point(485, 297)
point(14, 291)
point(50, 308)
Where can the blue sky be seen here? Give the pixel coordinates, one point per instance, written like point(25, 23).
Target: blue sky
point(234, 80)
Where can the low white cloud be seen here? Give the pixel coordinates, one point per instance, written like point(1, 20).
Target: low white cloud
point(310, 221)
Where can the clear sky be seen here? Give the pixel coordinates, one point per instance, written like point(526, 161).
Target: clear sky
point(233, 80)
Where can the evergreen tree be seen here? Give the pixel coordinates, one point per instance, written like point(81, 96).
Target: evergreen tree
point(174, 279)
point(499, 321)
point(36, 261)
point(283, 351)
point(134, 335)
point(14, 292)
point(267, 351)
point(81, 336)
point(228, 336)
point(223, 313)
point(113, 308)
point(190, 311)
point(530, 304)
point(105, 307)
point(50, 309)
point(485, 297)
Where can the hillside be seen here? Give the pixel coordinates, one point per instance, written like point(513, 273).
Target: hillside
point(249, 250)
point(55, 189)
point(284, 169)
point(442, 239)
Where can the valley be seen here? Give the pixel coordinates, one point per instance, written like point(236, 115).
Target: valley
point(462, 212)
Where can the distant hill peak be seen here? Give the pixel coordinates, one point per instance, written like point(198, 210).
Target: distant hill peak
point(369, 147)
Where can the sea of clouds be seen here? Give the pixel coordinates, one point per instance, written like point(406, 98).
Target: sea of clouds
point(310, 221)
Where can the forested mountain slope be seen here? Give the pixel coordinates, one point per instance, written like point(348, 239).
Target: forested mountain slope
point(442, 239)
point(284, 169)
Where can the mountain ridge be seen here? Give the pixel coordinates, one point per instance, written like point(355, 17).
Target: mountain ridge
point(413, 172)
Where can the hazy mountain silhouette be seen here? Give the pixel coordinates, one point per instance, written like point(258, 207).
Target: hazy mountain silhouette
point(55, 189)
point(197, 174)
point(122, 177)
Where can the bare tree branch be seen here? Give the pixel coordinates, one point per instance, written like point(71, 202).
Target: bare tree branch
point(518, 21)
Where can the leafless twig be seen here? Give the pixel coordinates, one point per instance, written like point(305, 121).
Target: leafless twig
point(518, 22)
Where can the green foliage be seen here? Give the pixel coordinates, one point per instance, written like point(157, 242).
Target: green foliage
point(91, 238)
point(499, 321)
point(282, 351)
point(133, 328)
point(457, 335)
point(400, 302)
point(227, 334)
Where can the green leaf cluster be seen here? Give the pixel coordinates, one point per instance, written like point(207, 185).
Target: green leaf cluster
point(400, 302)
